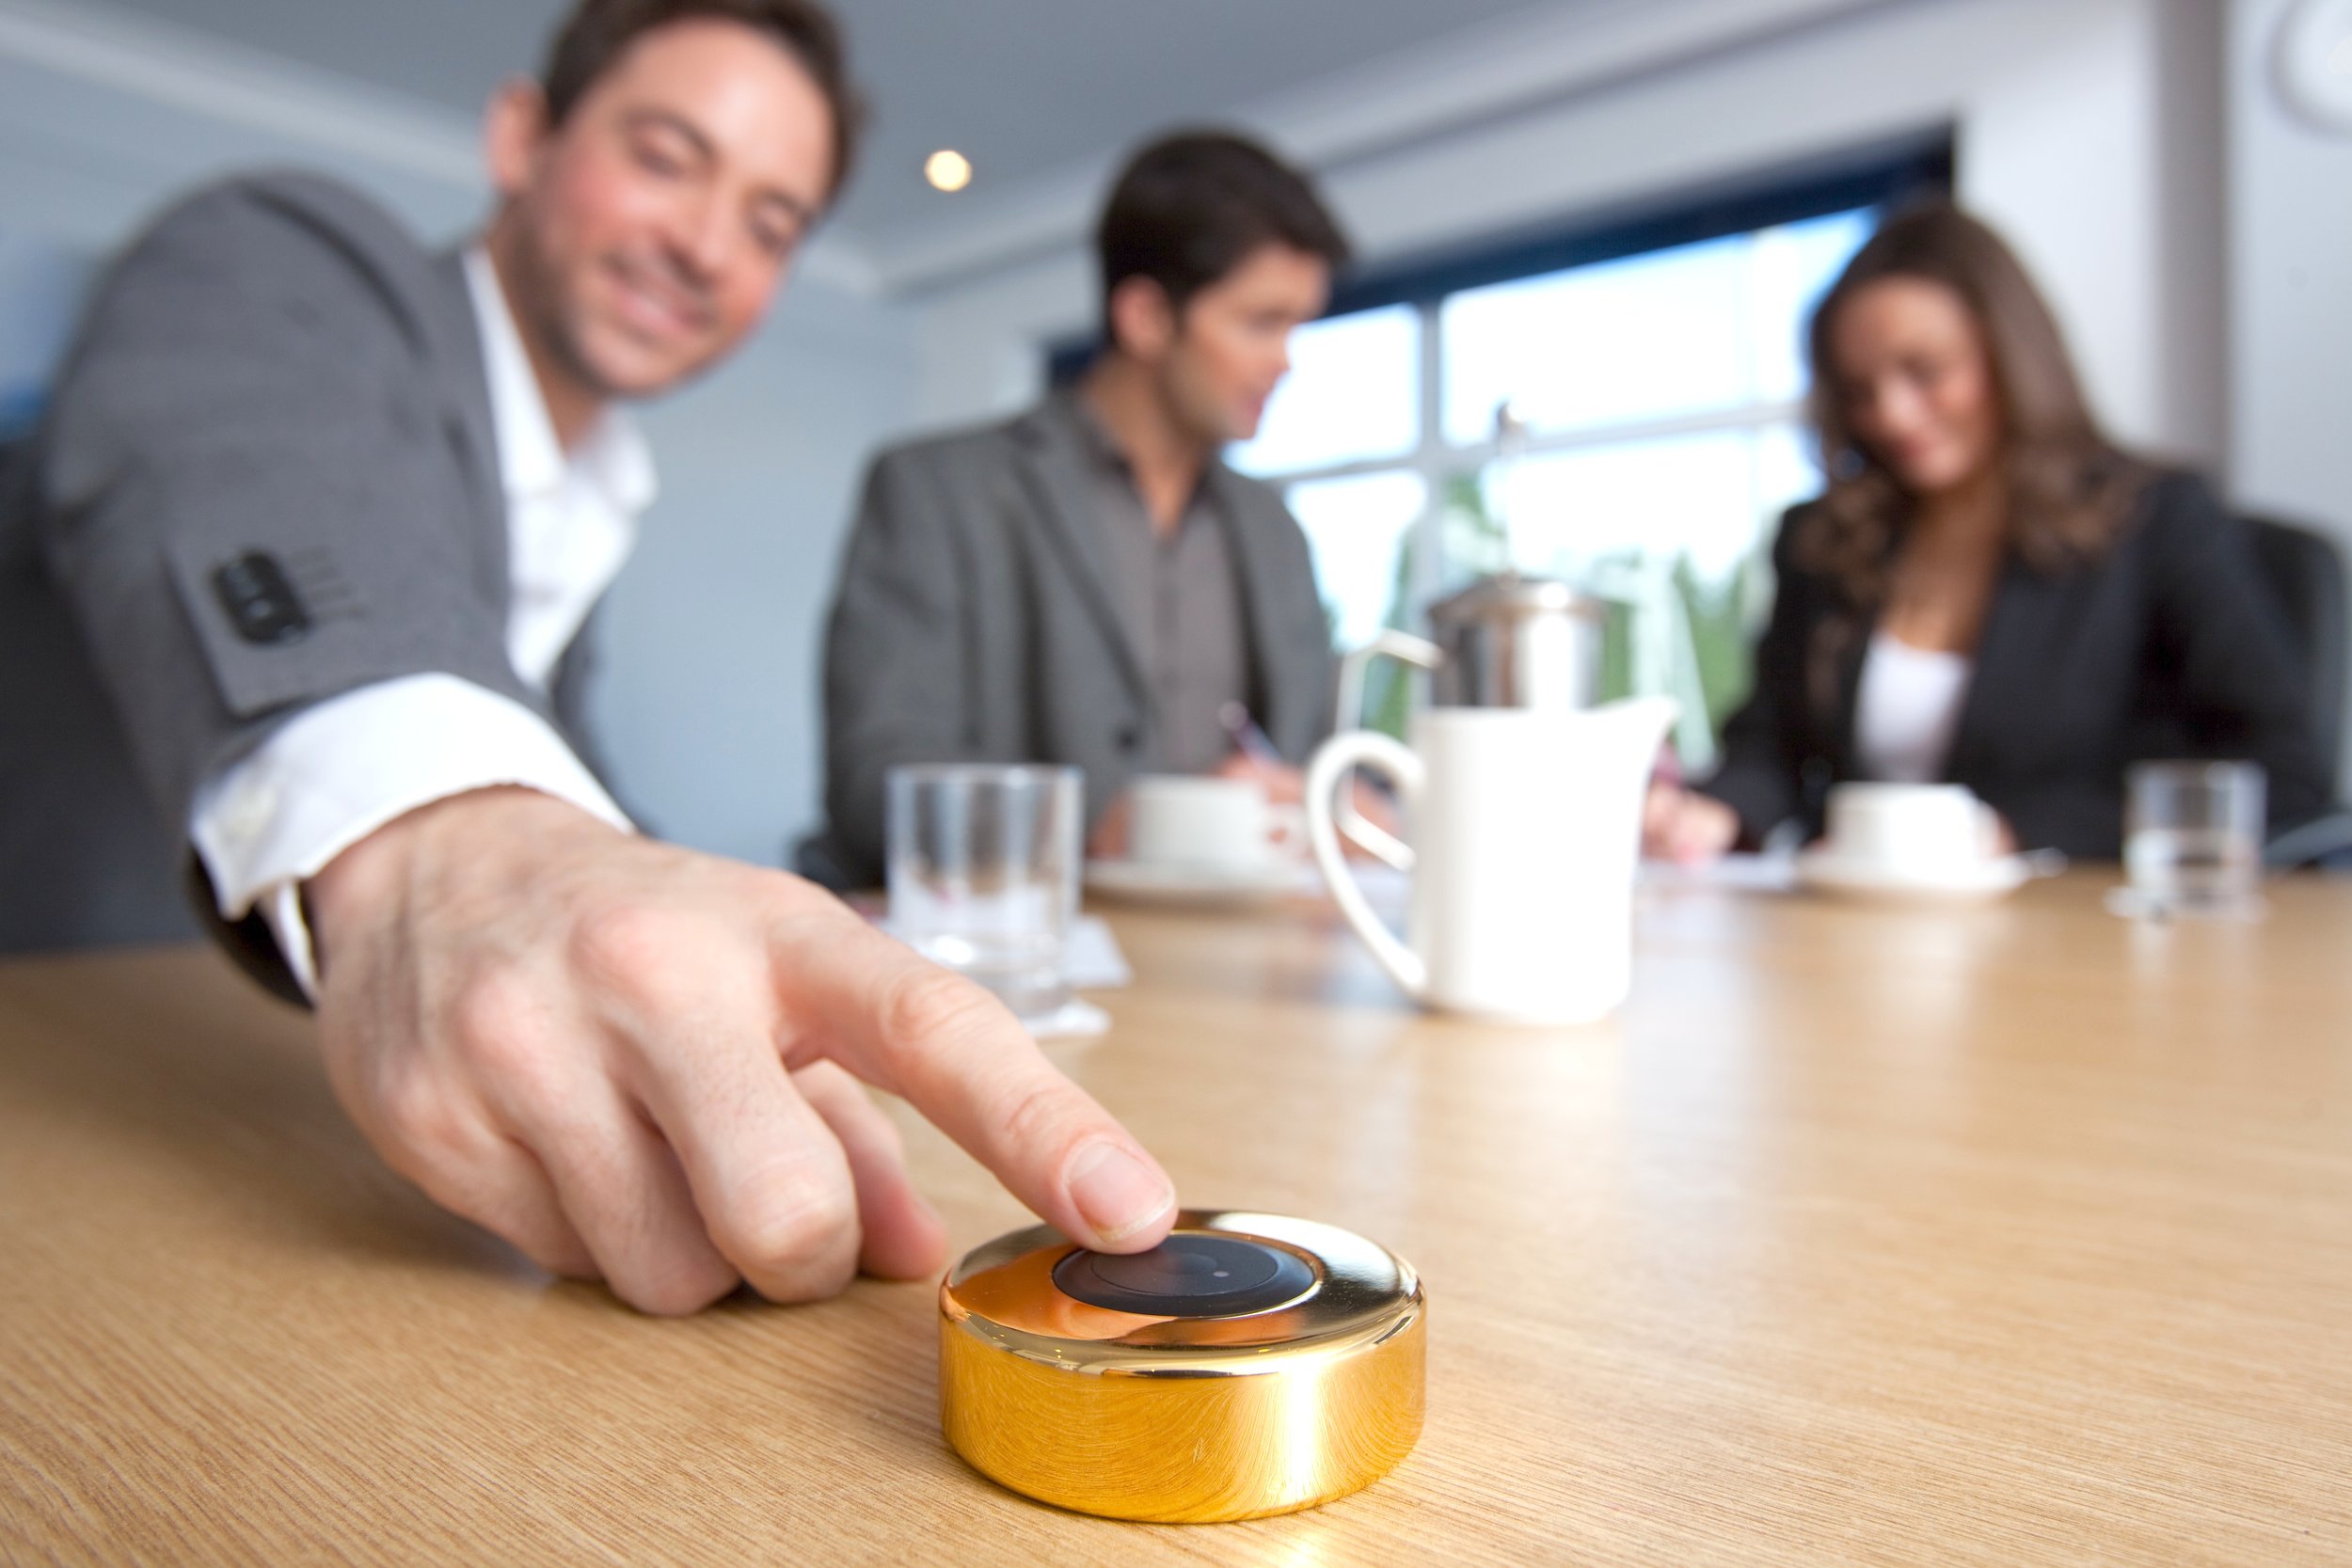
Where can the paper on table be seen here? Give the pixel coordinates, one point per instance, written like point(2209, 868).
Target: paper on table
point(1074, 1020)
point(1385, 888)
point(1741, 873)
point(1391, 892)
point(1090, 959)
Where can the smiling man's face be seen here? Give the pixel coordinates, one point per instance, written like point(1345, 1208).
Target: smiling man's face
point(641, 239)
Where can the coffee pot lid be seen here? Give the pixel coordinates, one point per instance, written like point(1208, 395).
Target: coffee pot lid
point(1509, 596)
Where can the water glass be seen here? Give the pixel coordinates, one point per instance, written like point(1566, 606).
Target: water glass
point(983, 869)
point(2193, 836)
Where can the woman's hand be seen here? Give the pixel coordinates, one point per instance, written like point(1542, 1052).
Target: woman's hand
point(1685, 827)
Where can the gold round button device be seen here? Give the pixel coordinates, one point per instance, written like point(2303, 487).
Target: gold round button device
point(1249, 1364)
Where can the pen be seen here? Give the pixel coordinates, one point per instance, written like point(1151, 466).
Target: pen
point(1247, 737)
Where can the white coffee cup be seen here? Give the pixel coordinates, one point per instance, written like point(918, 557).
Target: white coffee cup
point(1911, 830)
point(1525, 827)
point(1217, 824)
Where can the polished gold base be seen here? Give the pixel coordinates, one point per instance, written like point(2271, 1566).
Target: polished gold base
point(1183, 1419)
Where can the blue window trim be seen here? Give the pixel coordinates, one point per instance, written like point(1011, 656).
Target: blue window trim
point(1887, 175)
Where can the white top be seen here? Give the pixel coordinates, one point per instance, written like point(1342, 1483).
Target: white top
point(344, 767)
point(1907, 711)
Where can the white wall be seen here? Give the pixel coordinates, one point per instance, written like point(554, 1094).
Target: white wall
point(2290, 239)
point(2071, 117)
point(979, 345)
point(2291, 290)
point(708, 697)
point(2097, 154)
point(101, 121)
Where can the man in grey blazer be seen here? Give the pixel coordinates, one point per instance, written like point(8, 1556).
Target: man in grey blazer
point(328, 510)
point(1088, 584)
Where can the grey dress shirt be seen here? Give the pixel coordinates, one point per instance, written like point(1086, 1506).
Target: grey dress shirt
point(1180, 599)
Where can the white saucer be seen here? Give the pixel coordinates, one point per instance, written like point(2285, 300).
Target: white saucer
point(1824, 871)
point(1200, 884)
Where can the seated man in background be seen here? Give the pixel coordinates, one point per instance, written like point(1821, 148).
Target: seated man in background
point(329, 511)
point(1090, 584)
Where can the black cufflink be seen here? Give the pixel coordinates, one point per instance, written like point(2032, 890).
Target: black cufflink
point(260, 600)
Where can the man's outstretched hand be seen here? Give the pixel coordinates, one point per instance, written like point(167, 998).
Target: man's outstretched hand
point(640, 1063)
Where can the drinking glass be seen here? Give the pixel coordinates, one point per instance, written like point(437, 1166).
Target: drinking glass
point(2193, 836)
point(983, 868)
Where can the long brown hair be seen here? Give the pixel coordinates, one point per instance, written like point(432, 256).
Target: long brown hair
point(2070, 489)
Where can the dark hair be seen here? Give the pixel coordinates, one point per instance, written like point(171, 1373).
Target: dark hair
point(1191, 207)
point(2069, 487)
point(598, 32)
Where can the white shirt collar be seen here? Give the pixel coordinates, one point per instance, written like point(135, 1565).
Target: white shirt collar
point(612, 458)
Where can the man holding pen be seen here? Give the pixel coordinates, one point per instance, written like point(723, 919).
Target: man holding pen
point(1090, 584)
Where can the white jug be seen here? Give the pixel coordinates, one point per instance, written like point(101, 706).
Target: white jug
point(1525, 826)
point(1504, 640)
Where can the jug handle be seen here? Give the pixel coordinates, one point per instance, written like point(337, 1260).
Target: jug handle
point(1334, 761)
point(1404, 647)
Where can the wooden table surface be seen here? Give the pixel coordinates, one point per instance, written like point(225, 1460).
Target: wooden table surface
point(2009, 1234)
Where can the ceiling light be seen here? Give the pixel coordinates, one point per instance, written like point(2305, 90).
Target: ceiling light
point(947, 169)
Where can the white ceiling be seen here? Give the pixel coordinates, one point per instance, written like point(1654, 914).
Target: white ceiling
point(1029, 88)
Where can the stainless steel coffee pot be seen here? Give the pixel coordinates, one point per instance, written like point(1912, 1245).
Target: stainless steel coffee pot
point(1505, 641)
point(1515, 642)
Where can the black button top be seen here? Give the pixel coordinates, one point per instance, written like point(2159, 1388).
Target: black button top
point(1191, 1274)
point(260, 598)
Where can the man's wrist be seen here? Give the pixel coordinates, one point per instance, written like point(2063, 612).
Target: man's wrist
point(374, 871)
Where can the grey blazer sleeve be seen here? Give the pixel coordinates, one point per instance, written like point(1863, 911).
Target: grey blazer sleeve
point(896, 669)
point(266, 376)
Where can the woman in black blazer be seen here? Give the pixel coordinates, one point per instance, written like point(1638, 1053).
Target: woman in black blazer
point(1990, 593)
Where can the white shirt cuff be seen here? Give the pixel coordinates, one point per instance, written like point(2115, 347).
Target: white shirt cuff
point(338, 770)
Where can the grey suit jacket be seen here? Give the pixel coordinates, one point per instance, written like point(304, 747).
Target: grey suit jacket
point(975, 620)
point(269, 475)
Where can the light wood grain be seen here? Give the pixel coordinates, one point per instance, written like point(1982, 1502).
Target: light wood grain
point(2015, 1234)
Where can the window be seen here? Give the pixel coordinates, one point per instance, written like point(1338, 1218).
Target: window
point(1351, 393)
point(1655, 432)
point(1358, 527)
point(1654, 375)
